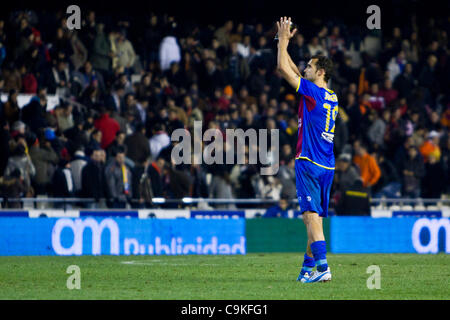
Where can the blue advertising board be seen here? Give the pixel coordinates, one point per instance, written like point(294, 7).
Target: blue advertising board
point(121, 236)
point(389, 235)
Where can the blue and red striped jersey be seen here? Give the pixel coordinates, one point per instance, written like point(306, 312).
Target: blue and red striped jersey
point(317, 113)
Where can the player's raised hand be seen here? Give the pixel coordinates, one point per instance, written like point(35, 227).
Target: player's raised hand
point(284, 28)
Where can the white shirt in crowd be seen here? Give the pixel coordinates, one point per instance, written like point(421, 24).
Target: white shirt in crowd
point(158, 142)
point(169, 51)
point(69, 180)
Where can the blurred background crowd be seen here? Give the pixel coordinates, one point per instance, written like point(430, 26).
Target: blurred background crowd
point(124, 85)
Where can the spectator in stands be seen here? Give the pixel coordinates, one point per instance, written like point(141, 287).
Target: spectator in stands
point(413, 172)
point(62, 47)
point(257, 81)
point(34, 113)
point(377, 129)
point(12, 77)
point(142, 185)
point(18, 128)
point(389, 184)
point(341, 132)
point(222, 34)
point(370, 172)
point(286, 175)
point(388, 93)
point(93, 179)
point(5, 138)
point(20, 160)
point(177, 181)
point(95, 140)
point(211, 77)
point(119, 180)
point(221, 185)
point(355, 116)
point(433, 184)
point(79, 161)
point(376, 100)
point(346, 173)
point(169, 51)
point(199, 186)
point(108, 126)
point(101, 51)
point(88, 28)
point(279, 210)
point(62, 183)
point(119, 140)
point(29, 81)
point(237, 66)
point(44, 159)
point(404, 82)
point(80, 53)
point(395, 132)
point(91, 77)
point(244, 46)
point(299, 51)
point(13, 186)
point(159, 140)
point(152, 39)
point(125, 53)
point(115, 99)
point(11, 109)
point(315, 47)
point(138, 148)
point(396, 65)
point(445, 162)
point(354, 201)
point(156, 174)
point(59, 79)
point(65, 117)
point(427, 77)
point(431, 146)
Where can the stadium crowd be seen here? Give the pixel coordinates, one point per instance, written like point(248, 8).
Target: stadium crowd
point(123, 90)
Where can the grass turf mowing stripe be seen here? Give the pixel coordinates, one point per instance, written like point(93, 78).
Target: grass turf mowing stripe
point(253, 276)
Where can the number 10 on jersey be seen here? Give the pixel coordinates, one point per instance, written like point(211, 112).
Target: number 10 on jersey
point(330, 113)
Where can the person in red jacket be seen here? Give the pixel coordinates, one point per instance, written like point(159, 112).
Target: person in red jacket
point(108, 126)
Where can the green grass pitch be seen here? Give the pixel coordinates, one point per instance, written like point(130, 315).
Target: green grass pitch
point(253, 276)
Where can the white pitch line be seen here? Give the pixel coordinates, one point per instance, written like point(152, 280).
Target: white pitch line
point(158, 262)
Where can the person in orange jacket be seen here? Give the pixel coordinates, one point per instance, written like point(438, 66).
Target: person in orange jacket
point(431, 146)
point(369, 169)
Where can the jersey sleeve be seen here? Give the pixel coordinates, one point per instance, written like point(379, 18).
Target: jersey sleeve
point(309, 91)
point(307, 88)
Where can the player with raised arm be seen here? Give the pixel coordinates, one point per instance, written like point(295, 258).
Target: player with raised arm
point(314, 160)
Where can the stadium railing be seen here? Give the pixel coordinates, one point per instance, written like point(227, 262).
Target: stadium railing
point(380, 203)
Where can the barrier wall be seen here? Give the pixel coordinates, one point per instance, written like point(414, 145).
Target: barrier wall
point(389, 235)
point(279, 235)
point(213, 232)
point(114, 236)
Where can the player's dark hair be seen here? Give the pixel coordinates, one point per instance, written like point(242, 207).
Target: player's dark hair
point(325, 64)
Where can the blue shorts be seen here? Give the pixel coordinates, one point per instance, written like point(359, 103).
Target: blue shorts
point(313, 187)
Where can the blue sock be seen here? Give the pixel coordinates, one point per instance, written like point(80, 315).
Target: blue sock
point(308, 264)
point(319, 251)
